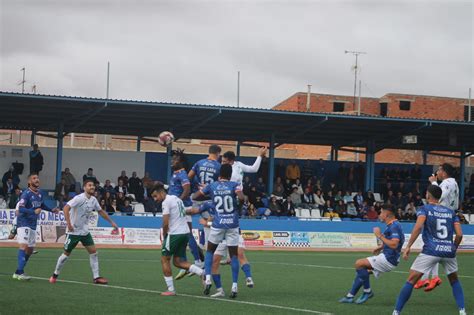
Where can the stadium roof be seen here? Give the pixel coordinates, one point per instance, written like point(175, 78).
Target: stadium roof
point(148, 119)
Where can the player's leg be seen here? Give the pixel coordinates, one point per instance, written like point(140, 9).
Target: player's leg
point(27, 241)
point(178, 244)
point(88, 243)
point(423, 282)
point(193, 246)
point(362, 267)
point(407, 289)
point(69, 244)
point(451, 268)
point(435, 280)
point(167, 274)
point(216, 277)
point(232, 240)
point(13, 231)
point(244, 263)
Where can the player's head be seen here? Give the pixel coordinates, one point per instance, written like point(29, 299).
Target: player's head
point(445, 170)
point(215, 150)
point(387, 213)
point(433, 193)
point(89, 186)
point(158, 192)
point(33, 181)
point(179, 160)
point(228, 158)
point(226, 172)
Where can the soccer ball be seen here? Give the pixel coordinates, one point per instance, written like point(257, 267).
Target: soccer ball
point(165, 138)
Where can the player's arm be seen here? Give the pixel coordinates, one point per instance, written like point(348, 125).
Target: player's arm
point(193, 211)
point(166, 224)
point(240, 194)
point(191, 174)
point(107, 218)
point(378, 249)
point(25, 210)
point(47, 208)
point(256, 165)
point(201, 194)
point(67, 216)
point(186, 191)
point(392, 243)
point(420, 221)
point(458, 231)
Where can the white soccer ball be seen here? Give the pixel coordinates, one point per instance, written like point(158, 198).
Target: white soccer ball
point(165, 138)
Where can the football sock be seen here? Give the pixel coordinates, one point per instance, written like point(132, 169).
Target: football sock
point(356, 285)
point(365, 277)
point(458, 294)
point(59, 265)
point(169, 283)
point(434, 271)
point(426, 276)
point(208, 262)
point(21, 262)
point(94, 261)
point(405, 294)
point(193, 246)
point(217, 280)
point(234, 263)
point(247, 271)
point(195, 269)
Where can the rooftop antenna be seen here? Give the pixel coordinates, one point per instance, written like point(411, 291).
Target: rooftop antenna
point(356, 68)
point(22, 82)
point(238, 88)
point(34, 88)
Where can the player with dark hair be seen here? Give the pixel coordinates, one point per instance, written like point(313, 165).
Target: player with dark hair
point(225, 224)
point(439, 224)
point(206, 171)
point(387, 256)
point(77, 213)
point(175, 236)
point(180, 186)
point(30, 205)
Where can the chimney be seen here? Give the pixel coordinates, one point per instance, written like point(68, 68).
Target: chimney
point(308, 99)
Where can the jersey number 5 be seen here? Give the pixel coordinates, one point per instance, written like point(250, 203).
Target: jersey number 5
point(442, 230)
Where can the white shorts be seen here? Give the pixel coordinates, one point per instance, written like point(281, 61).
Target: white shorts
point(26, 236)
point(188, 217)
point(207, 231)
point(380, 264)
point(222, 248)
point(424, 263)
point(231, 236)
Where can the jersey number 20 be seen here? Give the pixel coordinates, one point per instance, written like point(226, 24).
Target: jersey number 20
point(224, 204)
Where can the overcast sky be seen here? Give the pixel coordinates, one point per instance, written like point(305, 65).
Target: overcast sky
point(190, 51)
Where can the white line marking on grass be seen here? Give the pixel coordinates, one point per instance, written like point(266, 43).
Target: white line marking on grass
point(328, 267)
point(286, 308)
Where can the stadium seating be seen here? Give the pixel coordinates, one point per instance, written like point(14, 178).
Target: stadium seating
point(138, 208)
point(305, 213)
point(316, 214)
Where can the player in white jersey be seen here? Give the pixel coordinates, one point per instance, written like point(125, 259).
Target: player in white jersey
point(77, 213)
point(175, 236)
point(239, 168)
point(449, 199)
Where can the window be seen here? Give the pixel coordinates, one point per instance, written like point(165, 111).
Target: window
point(338, 107)
point(383, 109)
point(405, 105)
point(466, 112)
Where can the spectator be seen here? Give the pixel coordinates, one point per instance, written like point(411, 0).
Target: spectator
point(263, 170)
point(410, 215)
point(318, 185)
point(399, 201)
point(90, 176)
point(388, 187)
point(275, 207)
point(321, 171)
point(391, 197)
point(329, 197)
point(123, 176)
point(338, 196)
point(293, 171)
point(252, 211)
point(410, 206)
point(295, 197)
point(103, 205)
point(121, 188)
point(348, 197)
point(299, 186)
point(307, 171)
point(120, 200)
point(333, 188)
point(135, 185)
point(14, 198)
point(340, 208)
point(402, 188)
point(288, 187)
point(36, 160)
point(372, 214)
point(258, 203)
point(289, 208)
point(61, 193)
point(126, 208)
point(69, 180)
point(108, 187)
point(308, 199)
point(9, 188)
point(11, 173)
point(253, 194)
point(362, 211)
point(416, 172)
point(352, 210)
point(418, 201)
point(370, 198)
point(358, 199)
point(399, 214)
point(280, 169)
point(378, 207)
point(327, 208)
point(110, 204)
point(246, 185)
point(319, 199)
point(260, 186)
point(278, 191)
point(331, 214)
point(147, 181)
point(417, 189)
point(309, 185)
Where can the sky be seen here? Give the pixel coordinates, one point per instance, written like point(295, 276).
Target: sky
point(191, 51)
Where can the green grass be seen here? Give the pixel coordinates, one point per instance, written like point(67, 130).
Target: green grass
point(299, 280)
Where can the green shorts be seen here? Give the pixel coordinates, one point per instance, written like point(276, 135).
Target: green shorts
point(175, 245)
point(72, 241)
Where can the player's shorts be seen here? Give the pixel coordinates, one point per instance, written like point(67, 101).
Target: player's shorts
point(380, 264)
point(27, 236)
point(175, 245)
point(424, 263)
point(222, 247)
point(230, 235)
point(72, 240)
point(188, 217)
point(207, 232)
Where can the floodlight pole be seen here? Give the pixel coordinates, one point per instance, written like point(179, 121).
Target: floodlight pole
point(238, 88)
point(469, 108)
point(23, 80)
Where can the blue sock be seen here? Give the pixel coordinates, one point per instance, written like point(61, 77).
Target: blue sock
point(193, 246)
point(217, 281)
point(356, 285)
point(21, 262)
point(234, 263)
point(458, 294)
point(208, 262)
point(365, 277)
point(405, 294)
point(247, 271)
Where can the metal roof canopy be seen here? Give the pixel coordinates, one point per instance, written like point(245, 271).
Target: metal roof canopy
point(148, 119)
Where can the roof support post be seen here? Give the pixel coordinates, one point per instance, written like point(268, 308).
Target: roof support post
point(139, 143)
point(33, 137)
point(462, 166)
point(168, 163)
point(336, 154)
point(237, 149)
point(425, 156)
point(370, 166)
point(271, 165)
point(59, 152)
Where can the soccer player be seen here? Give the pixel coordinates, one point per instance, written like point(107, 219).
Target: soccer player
point(30, 205)
point(438, 223)
point(449, 199)
point(387, 256)
point(225, 225)
point(77, 213)
point(180, 186)
point(175, 236)
point(239, 168)
point(206, 171)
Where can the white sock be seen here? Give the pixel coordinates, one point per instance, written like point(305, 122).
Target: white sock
point(195, 269)
point(234, 286)
point(349, 295)
point(208, 278)
point(59, 265)
point(169, 283)
point(367, 290)
point(425, 276)
point(435, 270)
point(198, 262)
point(94, 260)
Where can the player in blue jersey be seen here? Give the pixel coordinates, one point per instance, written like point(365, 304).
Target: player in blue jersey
point(29, 207)
point(206, 171)
point(225, 224)
point(386, 256)
point(180, 186)
point(439, 224)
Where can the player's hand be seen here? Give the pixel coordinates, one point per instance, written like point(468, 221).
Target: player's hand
point(377, 232)
point(433, 178)
point(203, 221)
point(376, 251)
point(55, 210)
point(38, 210)
point(263, 151)
point(115, 226)
point(70, 228)
point(406, 253)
